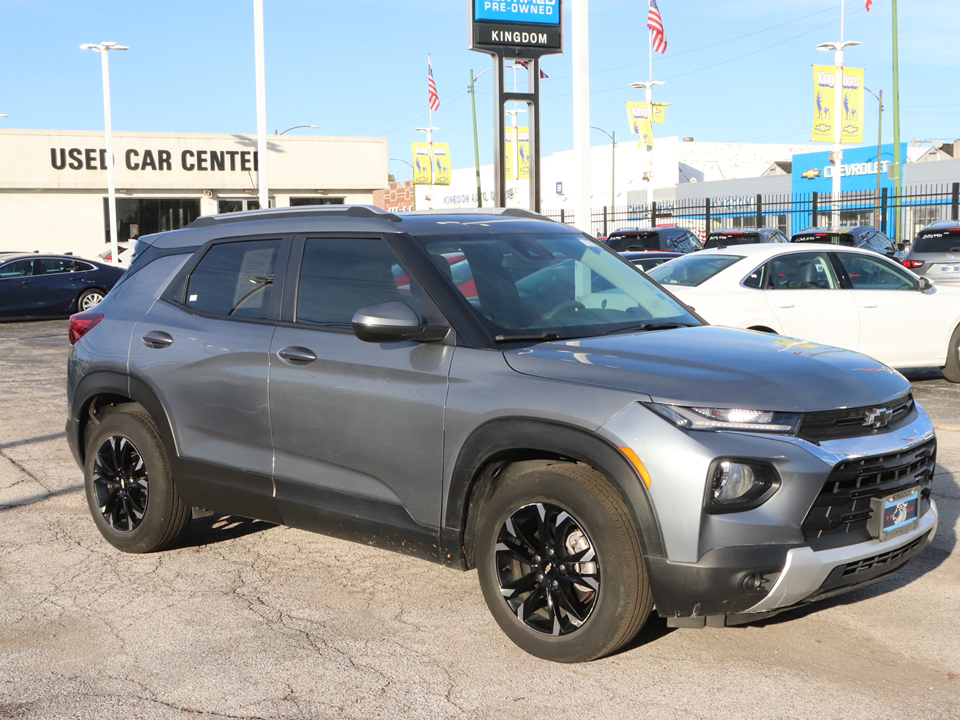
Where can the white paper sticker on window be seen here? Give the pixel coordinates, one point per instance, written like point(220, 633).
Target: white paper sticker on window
point(192, 298)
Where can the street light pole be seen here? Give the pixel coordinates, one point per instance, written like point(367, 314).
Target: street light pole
point(876, 209)
point(613, 163)
point(104, 48)
point(648, 149)
point(897, 160)
point(476, 142)
point(262, 176)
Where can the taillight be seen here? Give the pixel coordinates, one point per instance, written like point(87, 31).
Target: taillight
point(82, 323)
point(913, 264)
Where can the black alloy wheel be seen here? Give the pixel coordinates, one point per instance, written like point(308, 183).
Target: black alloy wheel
point(548, 569)
point(129, 485)
point(121, 483)
point(560, 562)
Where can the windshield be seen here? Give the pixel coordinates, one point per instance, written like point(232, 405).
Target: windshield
point(692, 270)
point(550, 285)
point(723, 240)
point(937, 242)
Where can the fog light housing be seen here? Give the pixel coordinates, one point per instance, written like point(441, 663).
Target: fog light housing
point(735, 484)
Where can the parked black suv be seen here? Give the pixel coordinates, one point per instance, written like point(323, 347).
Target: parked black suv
point(866, 237)
point(671, 239)
point(726, 237)
point(496, 391)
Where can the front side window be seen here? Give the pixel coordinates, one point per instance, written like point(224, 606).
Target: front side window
point(549, 283)
point(235, 279)
point(692, 270)
point(869, 273)
point(339, 276)
point(801, 271)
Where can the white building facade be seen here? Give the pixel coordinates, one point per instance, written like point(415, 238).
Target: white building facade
point(53, 184)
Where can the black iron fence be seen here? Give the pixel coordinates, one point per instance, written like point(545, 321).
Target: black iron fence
point(918, 205)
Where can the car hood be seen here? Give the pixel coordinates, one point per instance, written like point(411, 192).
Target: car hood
point(720, 367)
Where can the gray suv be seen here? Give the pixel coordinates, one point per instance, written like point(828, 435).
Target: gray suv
point(496, 391)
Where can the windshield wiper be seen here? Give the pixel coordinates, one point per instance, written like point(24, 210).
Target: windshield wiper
point(527, 337)
point(644, 327)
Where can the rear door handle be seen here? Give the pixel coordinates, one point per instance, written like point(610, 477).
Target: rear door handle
point(869, 305)
point(157, 339)
point(788, 305)
point(297, 355)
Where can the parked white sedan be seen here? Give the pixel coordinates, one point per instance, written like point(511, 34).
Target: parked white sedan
point(848, 298)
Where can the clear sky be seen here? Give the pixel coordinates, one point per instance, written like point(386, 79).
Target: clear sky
point(735, 70)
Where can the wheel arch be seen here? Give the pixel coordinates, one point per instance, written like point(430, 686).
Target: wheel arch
point(503, 448)
point(76, 300)
point(107, 388)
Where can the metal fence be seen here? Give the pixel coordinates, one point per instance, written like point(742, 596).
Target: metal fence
point(920, 206)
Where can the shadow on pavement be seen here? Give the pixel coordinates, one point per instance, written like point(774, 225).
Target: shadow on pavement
point(218, 528)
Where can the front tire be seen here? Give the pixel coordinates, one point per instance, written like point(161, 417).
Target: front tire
point(951, 371)
point(560, 564)
point(129, 486)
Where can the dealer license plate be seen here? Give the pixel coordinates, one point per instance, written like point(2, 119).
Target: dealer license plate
point(900, 513)
point(950, 269)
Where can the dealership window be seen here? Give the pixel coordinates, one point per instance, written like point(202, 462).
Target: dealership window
point(136, 217)
point(232, 206)
point(298, 201)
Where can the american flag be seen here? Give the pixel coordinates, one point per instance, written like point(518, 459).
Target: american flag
point(525, 64)
point(869, 5)
point(655, 23)
point(432, 86)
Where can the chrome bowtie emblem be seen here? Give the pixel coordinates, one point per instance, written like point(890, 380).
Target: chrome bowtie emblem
point(878, 418)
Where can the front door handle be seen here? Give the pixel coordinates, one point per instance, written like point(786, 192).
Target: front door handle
point(869, 305)
point(157, 339)
point(787, 305)
point(297, 355)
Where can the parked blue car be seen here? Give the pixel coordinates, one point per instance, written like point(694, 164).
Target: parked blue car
point(36, 286)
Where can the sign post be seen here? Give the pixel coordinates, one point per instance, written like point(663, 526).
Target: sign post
point(516, 30)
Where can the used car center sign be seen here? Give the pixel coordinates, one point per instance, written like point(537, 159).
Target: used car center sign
point(521, 24)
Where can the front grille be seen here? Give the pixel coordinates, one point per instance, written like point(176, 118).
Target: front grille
point(842, 510)
point(855, 422)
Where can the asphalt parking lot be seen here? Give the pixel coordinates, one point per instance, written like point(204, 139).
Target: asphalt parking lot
point(248, 620)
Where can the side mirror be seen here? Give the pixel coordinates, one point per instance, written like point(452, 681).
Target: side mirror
point(394, 322)
point(901, 246)
point(925, 284)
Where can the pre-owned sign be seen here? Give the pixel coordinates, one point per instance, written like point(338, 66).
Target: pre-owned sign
point(532, 26)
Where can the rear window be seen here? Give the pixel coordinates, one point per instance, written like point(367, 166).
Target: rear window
point(723, 240)
point(937, 242)
point(634, 241)
point(692, 270)
point(845, 239)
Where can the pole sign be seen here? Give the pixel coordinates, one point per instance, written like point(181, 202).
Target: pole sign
point(534, 27)
point(825, 115)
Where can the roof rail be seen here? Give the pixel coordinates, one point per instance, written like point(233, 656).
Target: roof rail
point(303, 211)
point(510, 212)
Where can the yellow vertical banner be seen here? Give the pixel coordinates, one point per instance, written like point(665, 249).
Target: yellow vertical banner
point(523, 154)
point(824, 92)
point(639, 117)
point(659, 111)
point(509, 151)
point(422, 166)
point(851, 114)
point(441, 163)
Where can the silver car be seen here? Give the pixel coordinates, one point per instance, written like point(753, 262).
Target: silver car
point(498, 392)
point(935, 252)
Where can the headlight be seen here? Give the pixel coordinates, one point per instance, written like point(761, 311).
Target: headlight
point(743, 419)
point(737, 484)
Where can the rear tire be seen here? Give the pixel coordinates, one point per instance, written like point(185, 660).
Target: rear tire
point(128, 483)
point(560, 564)
point(89, 299)
point(951, 371)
